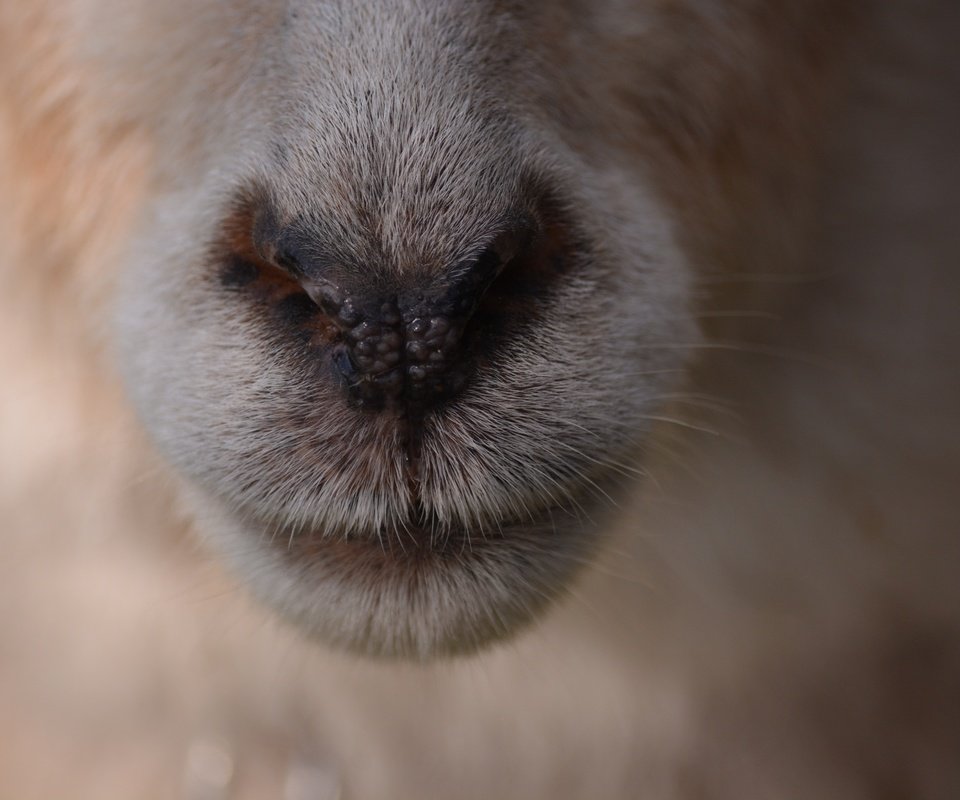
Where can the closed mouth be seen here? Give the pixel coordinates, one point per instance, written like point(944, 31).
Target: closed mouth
point(422, 591)
point(418, 540)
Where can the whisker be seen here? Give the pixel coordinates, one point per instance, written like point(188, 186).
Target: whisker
point(732, 314)
point(622, 469)
point(682, 424)
point(745, 347)
point(765, 277)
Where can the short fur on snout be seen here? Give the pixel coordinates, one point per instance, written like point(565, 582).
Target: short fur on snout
point(391, 164)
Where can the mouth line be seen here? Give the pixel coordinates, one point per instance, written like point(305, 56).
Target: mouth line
point(408, 538)
point(410, 527)
point(417, 590)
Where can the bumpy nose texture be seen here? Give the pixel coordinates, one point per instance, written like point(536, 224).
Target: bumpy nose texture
point(403, 350)
point(400, 357)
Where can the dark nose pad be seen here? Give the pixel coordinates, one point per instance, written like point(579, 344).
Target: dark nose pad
point(404, 350)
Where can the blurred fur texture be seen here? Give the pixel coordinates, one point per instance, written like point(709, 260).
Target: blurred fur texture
point(774, 611)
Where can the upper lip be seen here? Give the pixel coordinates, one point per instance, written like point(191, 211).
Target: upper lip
point(416, 532)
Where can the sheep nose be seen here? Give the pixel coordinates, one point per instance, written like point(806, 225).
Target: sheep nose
point(397, 353)
point(405, 349)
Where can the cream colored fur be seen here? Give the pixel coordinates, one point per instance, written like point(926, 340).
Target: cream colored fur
point(773, 612)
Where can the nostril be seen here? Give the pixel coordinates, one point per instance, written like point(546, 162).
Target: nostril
point(345, 365)
point(471, 279)
point(331, 299)
point(287, 260)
